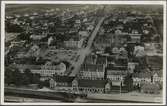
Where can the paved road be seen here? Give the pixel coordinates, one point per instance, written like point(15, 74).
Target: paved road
point(86, 51)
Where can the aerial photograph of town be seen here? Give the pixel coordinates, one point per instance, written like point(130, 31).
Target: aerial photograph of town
point(83, 53)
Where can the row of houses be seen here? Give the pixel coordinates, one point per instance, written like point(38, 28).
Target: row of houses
point(45, 71)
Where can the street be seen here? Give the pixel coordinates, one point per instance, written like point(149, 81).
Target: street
point(85, 51)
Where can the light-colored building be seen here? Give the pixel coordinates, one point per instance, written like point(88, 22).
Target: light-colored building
point(141, 78)
point(116, 74)
point(74, 43)
point(92, 71)
point(44, 70)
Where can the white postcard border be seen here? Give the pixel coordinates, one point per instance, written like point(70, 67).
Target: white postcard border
point(82, 2)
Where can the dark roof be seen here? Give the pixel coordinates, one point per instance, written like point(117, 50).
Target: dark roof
point(25, 66)
point(110, 72)
point(155, 61)
point(142, 75)
point(116, 68)
point(92, 67)
point(90, 59)
point(63, 79)
point(101, 60)
point(92, 83)
point(121, 61)
point(111, 58)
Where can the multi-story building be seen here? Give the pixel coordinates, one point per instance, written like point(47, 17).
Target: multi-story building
point(61, 82)
point(141, 78)
point(116, 73)
point(92, 71)
point(89, 85)
point(44, 70)
point(74, 43)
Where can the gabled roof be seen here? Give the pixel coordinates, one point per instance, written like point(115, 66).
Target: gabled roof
point(142, 75)
point(92, 67)
point(159, 73)
point(91, 83)
point(67, 79)
point(119, 68)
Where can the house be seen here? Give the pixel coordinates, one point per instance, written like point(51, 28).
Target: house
point(157, 77)
point(89, 85)
point(92, 71)
point(141, 78)
point(83, 34)
point(116, 73)
point(44, 70)
point(118, 86)
point(61, 82)
point(139, 51)
point(90, 28)
point(132, 66)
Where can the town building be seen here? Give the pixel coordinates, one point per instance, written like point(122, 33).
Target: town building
point(89, 85)
point(44, 70)
point(116, 73)
point(72, 43)
point(92, 71)
point(61, 83)
point(141, 78)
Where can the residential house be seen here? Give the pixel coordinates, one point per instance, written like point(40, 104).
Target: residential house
point(116, 73)
point(44, 70)
point(132, 66)
point(83, 34)
point(157, 77)
point(142, 78)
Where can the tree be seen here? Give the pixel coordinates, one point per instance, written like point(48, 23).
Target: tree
point(128, 81)
point(36, 78)
point(17, 77)
point(8, 75)
point(108, 50)
point(29, 76)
